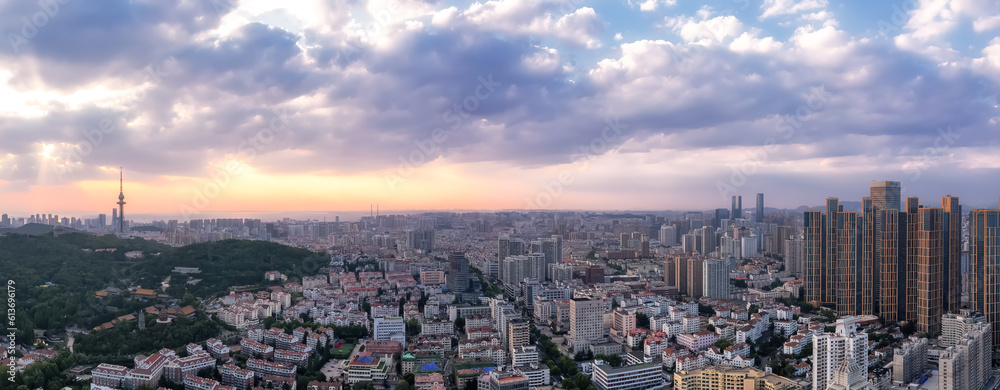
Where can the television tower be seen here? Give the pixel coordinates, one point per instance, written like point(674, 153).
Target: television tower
point(121, 201)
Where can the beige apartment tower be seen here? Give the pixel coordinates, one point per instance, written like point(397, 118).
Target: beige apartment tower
point(984, 267)
point(586, 322)
point(899, 264)
point(695, 276)
point(812, 257)
point(929, 259)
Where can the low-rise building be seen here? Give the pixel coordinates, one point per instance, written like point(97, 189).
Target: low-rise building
point(697, 341)
point(637, 377)
point(727, 378)
point(236, 377)
point(262, 368)
point(367, 368)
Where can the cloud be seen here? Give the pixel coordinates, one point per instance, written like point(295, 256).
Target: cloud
point(365, 85)
point(790, 7)
point(652, 5)
point(930, 21)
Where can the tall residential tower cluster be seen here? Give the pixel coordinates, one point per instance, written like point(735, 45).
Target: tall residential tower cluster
point(900, 261)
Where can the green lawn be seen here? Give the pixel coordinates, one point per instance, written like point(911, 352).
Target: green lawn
point(343, 352)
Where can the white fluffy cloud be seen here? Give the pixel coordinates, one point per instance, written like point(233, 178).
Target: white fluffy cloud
point(789, 7)
point(652, 5)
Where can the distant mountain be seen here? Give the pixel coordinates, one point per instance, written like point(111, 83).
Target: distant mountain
point(848, 206)
point(34, 229)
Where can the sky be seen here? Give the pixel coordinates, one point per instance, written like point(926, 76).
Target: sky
point(227, 106)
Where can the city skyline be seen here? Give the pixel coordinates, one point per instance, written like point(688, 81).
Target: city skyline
point(560, 104)
point(500, 194)
point(188, 213)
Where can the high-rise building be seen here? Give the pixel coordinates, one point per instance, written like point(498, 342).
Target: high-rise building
point(420, 239)
point(708, 240)
point(951, 271)
point(720, 215)
point(984, 267)
point(812, 257)
point(390, 328)
point(737, 209)
point(689, 243)
point(668, 235)
point(716, 278)
point(517, 334)
point(885, 194)
point(670, 272)
point(781, 233)
point(908, 264)
point(622, 321)
point(930, 258)
point(517, 268)
point(909, 361)
point(681, 274)
point(696, 277)
point(458, 272)
point(759, 215)
point(954, 326)
point(848, 277)
point(793, 255)
point(896, 264)
point(551, 249)
point(831, 350)
point(4, 220)
point(968, 364)
point(507, 246)
point(586, 322)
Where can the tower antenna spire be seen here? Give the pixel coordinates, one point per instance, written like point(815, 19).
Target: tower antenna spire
point(121, 179)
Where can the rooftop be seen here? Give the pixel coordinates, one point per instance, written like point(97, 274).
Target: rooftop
point(615, 370)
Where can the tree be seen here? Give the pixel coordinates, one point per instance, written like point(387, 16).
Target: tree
point(188, 300)
point(460, 324)
point(723, 344)
point(641, 320)
point(412, 327)
point(908, 328)
point(402, 384)
point(753, 309)
point(612, 360)
point(807, 351)
point(776, 283)
point(739, 283)
point(710, 328)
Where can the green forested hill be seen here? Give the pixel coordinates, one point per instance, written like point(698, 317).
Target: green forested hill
point(226, 264)
point(75, 272)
